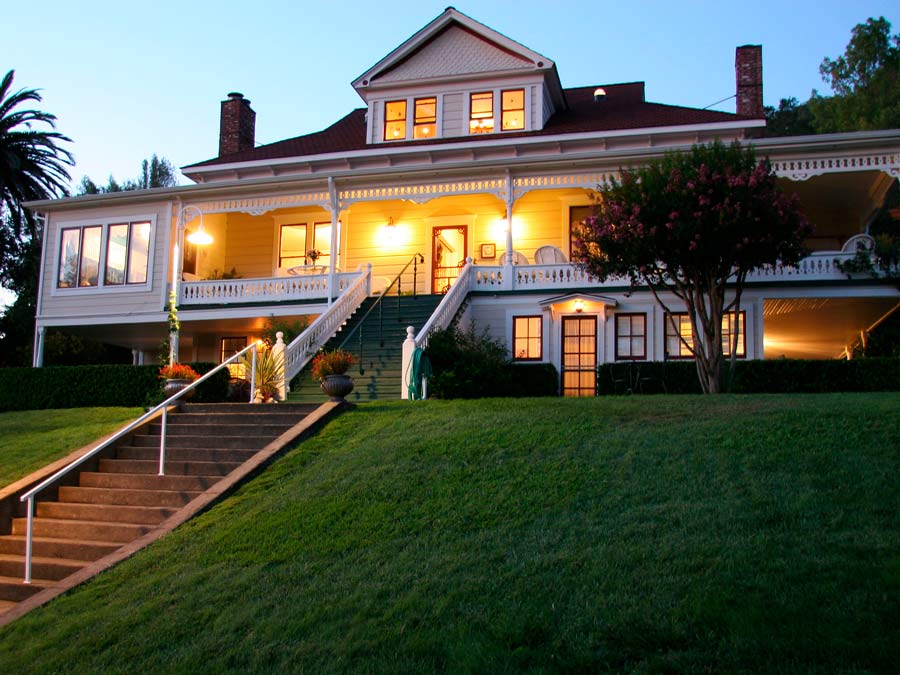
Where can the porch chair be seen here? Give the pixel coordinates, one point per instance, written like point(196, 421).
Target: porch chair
point(549, 255)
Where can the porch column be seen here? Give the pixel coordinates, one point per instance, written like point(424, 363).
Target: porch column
point(37, 360)
point(332, 259)
point(509, 209)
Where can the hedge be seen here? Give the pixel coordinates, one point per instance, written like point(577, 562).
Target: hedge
point(773, 376)
point(95, 386)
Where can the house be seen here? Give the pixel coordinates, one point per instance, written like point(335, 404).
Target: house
point(470, 152)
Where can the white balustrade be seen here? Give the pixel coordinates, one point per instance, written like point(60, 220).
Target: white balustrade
point(449, 306)
point(275, 289)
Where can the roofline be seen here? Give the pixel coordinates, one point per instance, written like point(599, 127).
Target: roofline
point(473, 144)
point(417, 39)
point(843, 141)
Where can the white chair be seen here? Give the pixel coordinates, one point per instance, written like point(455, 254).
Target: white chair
point(549, 255)
point(519, 258)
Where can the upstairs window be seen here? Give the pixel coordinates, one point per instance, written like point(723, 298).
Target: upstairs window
point(97, 255)
point(395, 120)
point(127, 251)
point(79, 257)
point(512, 115)
point(299, 239)
point(481, 113)
point(425, 121)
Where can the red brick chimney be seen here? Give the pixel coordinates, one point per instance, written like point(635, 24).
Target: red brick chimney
point(748, 72)
point(237, 126)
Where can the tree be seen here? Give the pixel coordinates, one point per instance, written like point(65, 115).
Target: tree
point(694, 224)
point(791, 118)
point(865, 81)
point(32, 166)
point(157, 172)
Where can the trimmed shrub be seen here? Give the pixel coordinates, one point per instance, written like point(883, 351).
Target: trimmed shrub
point(95, 386)
point(774, 376)
point(531, 379)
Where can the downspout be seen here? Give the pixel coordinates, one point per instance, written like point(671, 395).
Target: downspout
point(332, 259)
point(37, 355)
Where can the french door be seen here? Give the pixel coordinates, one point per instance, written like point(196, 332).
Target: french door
point(448, 255)
point(579, 355)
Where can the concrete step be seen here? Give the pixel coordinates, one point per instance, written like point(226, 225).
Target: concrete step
point(135, 481)
point(49, 547)
point(16, 590)
point(52, 569)
point(271, 416)
point(175, 468)
point(176, 428)
point(187, 454)
point(106, 513)
point(217, 408)
point(83, 495)
point(220, 442)
point(83, 529)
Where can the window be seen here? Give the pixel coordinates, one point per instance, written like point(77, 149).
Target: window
point(298, 239)
point(680, 324)
point(79, 257)
point(631, 337)
point(228, 347)
point(576, 215)
point(481, 113)
point(127, 252)
point(395, 120)
point(527, 338)
point(425, 118)
point(512, 115)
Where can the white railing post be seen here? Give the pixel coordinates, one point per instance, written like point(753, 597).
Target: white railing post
point(162, 442)
point(409, 347)
point(253, 376)
point(29, 537)
point(278, 357)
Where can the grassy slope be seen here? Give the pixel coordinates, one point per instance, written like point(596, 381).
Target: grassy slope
point(34, 438)
point(661, 534)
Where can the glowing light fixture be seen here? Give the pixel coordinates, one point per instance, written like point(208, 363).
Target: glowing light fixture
point(201, 237)
point(579, 306)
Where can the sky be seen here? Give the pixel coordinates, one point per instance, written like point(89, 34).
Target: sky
point(125, 84)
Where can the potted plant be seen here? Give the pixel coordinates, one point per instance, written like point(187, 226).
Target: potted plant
point(269, 374)
point(178, 376)
point(330, 370)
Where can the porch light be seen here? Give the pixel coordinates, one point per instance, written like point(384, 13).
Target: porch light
point(200, 238)
point(391, 228)
point(579, 306)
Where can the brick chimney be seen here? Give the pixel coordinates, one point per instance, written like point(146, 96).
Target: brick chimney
point(237, 126)
point(748, 72)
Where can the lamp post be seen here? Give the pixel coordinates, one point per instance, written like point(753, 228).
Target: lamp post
point(199, 238)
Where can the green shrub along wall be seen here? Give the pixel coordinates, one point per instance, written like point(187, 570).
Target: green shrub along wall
point(95, 386)
point(774, 376)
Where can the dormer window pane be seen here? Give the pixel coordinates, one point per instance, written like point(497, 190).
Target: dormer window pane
point(395, 120)
point(513, 110)
point(481, 113)
point(426, 118)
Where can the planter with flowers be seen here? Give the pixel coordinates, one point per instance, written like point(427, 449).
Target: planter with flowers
point(330, 370)
point(178, 376)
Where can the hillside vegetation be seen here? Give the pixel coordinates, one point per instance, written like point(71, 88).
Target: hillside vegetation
point(634, 534)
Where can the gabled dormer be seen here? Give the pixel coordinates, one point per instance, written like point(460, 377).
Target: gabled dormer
point(457, 77)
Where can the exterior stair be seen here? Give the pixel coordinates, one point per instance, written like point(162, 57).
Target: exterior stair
point(377, 376)
point(123, 498)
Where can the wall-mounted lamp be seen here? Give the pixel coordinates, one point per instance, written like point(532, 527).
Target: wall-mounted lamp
point(201, 238)
point(579, 306)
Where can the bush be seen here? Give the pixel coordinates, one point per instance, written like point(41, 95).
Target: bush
point(95, 386)
point(467, 364)
point(774, 376)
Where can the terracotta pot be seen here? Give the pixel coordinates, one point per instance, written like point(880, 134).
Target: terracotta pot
point(172, 387)
point(337, 386)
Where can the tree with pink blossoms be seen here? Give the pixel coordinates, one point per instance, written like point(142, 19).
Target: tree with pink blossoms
point(692, 225)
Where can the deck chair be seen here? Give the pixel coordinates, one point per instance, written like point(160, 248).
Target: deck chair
point(519, 258)
point(549, 255)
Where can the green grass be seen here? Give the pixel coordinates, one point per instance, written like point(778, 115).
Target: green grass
point(629, 534)
point(33, 438)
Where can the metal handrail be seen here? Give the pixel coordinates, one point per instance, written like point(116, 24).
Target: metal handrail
point(161, 408)
point(414, 261)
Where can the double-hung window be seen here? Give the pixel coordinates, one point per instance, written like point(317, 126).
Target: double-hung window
point(527, 338)
point(481, 113)
point(395, 120)
point(678, 332)
point(425, 121)
point(631, 337)
point(512, 110)
point(104, 254)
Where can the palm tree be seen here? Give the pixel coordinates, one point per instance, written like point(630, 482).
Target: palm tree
point(32, 164)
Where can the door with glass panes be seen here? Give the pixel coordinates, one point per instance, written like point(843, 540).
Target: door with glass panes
point(579, 355)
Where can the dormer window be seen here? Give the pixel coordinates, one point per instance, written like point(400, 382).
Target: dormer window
point(481, 113)
point(512, 114)
point(425, 118)
point(395, 120)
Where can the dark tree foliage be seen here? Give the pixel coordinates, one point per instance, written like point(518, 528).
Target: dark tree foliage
point(694, 224)
point(155, 172)
point(791, 118)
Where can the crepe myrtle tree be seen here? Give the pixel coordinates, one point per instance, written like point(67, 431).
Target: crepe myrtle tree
point(694, 224)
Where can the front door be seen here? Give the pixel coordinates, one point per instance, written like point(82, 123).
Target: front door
point(579, 356)
point(448, 255)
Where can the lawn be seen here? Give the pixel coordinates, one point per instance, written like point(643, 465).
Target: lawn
point(629, 534)
point(33, 438)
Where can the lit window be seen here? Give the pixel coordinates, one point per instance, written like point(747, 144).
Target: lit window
point(728, 330)
point(322, 240)
point(79, 257)
point(426, 118)
point(228, 347)
point(680, 324)
point(292, 251)
point(395, 120)
point(127, 254)
point(512, 110)
point(527, 332)
point(631, 336)
point(481, 113)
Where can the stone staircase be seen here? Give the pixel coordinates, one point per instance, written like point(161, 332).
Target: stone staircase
point(377, 376)
point(121, 498)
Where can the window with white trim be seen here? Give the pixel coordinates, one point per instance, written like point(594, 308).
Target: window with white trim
point(527, 338)
point(679, 332)
point(631, 337)
point(97, 255)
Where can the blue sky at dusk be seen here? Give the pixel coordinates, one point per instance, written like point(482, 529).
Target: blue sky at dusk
point(126, 83)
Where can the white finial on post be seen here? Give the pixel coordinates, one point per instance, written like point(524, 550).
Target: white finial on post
point(278, 354)
point(409, 347)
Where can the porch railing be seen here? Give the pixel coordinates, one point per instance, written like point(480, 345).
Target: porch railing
point(303, 348)
point(450, 305)
point(275, 289)
point(161, 410)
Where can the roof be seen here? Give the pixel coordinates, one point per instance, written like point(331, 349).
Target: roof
point(623, 108)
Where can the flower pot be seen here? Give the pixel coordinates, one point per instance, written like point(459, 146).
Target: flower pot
point(172, 387)
point(337, 386)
